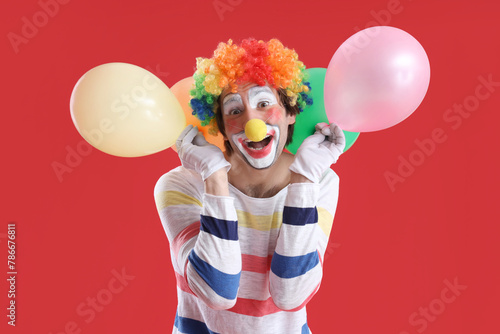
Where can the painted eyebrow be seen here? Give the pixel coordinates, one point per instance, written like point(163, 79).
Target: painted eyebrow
point(232, 98)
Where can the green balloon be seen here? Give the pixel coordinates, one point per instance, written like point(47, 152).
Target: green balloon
point(306, 121)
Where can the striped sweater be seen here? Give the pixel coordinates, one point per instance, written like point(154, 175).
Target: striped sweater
point(244, 264)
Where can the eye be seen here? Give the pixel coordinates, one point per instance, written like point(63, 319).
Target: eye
point(263, 104)
point(234, 111)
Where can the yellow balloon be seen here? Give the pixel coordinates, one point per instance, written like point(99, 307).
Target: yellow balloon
point(255, 129)
point(124, 110)
point(181, 91)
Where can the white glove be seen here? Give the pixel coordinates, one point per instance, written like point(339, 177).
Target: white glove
point(319, 151)
point(199, 155)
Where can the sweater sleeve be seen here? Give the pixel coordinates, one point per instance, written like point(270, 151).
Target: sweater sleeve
point(202, 230)
point(296, 266)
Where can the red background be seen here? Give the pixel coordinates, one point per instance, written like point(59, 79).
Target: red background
point(390, 251)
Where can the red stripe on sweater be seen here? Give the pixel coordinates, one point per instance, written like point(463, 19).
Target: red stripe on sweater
point(182, 283)
point(255, 308)
point(256, 264)
point(186, 234)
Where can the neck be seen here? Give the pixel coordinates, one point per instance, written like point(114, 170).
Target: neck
point(259, 183)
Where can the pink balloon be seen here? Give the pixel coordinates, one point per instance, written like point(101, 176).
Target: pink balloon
point(376, 79)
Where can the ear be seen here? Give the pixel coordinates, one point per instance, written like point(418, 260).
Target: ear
point(291, 119)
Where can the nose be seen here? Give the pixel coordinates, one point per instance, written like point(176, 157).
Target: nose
point(255, 129)
point(254, 124)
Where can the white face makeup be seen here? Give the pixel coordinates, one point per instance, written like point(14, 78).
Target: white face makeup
point(259, 95)
point(261, 154)
point(240, 107)
point(232, 103)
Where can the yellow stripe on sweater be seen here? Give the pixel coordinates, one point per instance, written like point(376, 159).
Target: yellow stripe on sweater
point(269, 222)
point(169, 198)
point(261, 223)
point(245, 219)
point(325, 221)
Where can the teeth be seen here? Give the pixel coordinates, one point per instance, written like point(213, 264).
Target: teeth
point(249, 141)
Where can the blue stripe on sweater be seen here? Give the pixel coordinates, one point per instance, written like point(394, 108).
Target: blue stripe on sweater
point(224, 229)
point(191, 326)
point(299, 216)
point(225, 285)
point(293, 266)
point(305, 329)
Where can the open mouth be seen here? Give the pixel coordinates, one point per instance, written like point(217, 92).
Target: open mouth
point(258, 149)
point(259, 145)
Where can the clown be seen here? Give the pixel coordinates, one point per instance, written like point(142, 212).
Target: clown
point(248, 227)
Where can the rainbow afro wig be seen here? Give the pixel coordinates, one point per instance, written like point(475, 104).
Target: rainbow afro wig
point(251, 61)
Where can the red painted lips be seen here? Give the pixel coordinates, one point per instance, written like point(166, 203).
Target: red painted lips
point(258, 150)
